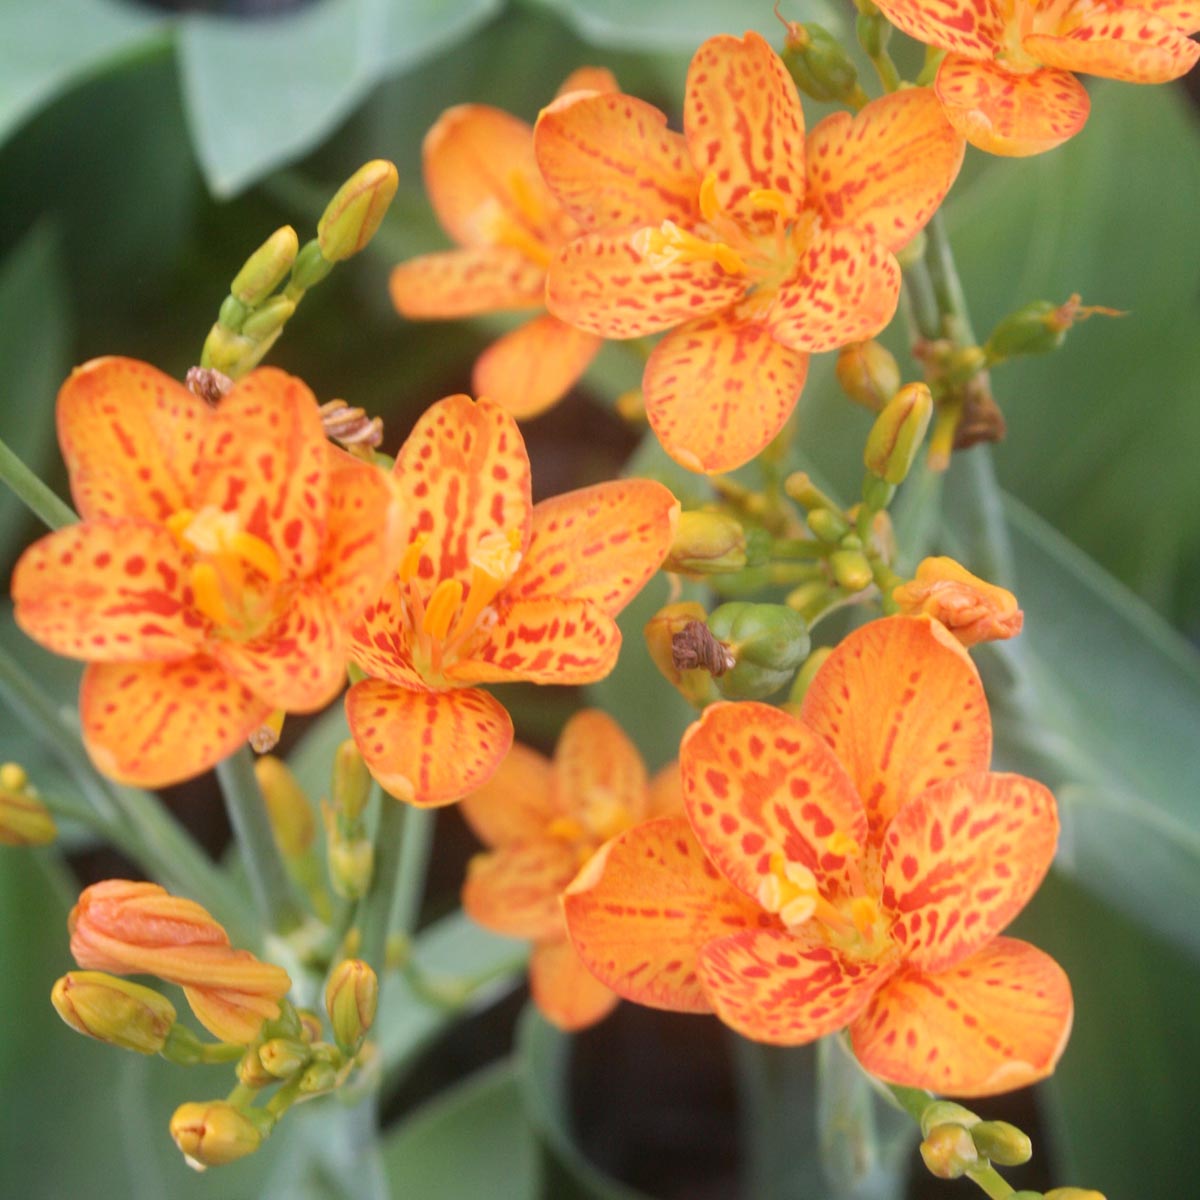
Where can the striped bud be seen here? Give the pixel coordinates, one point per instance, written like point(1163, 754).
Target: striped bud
point(351, 998)
point(868, 373)
point(266, 268)
point(353, 215)
point(896, 436)
point(114, 1010)
point(1004, 1144)
point(212, 1133)
point(707, 543)
point(288, 808)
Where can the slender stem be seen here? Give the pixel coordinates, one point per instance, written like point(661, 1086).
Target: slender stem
point(375, 908)
point(913, 1101)
point(414, 864)
point(270, 884)
point(991, 1181)
point(37, 497)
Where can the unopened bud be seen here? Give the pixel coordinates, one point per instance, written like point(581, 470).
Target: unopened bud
point(290, 813)
point(24, 819)
point(695, 683)
point(707, 543)
point(868, 373)
point(1073, 1193)
point(817, 62)
point(356, 210)
point(283, 1057)
point(768, 642)
point(266, 268)
point(114, 1010)
point(251, 1073)
point(268, 319)
point(1004, 1144)
point(896, 436)
point(351, 865)
point(232, 313)
point(213, 1133)
point(851, 570)
point(351, 782)
point(1039, 327)
point(948, 1151)
point(351, 998)
point(318, 1077)
point(830, 525)
point(946, 1112)
point(311, 1029)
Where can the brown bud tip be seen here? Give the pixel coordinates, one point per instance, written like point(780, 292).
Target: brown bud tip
point(208, 383)
point(694, 646)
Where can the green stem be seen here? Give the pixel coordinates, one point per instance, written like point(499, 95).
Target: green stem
point(375, 908)
point(414, 863)
point(40, 500)
point(991, 1181)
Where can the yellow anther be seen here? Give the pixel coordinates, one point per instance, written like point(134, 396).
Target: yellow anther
point(864, 912)
point(669, 244)
point(257, 553)
point(13, 777)
point(565, 829)
point(710, 206)
point(796, 912)
point(790, 890)
point(442, 607)
point(177, 522)
point(208, 594)
point(770, 199)
point(843, 845)
point(605, 815)
point(523, 196)
point(210, 531)
point(412, 558)
point(507, 232)
point(727, 259)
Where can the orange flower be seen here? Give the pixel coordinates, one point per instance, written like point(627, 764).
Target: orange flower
point(853, 867)
point(543, 821)
point(972, 609)
point(221, 552)
point(490, 589)
point(1007, 84)
point(138, 929)
point(756, 248)
point(484, 183)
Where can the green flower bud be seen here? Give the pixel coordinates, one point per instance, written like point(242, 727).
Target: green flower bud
point(251, 1073)
point(351, 782)
point(318, 1077)
point(948, 1151)
point(946, 1112)
point(818, 64)
point(283, 1057)
point(707, 543)
point(351, 866)
point(1004, 1144)
point(851, 570)
point(896, 436)
point(24, 819)
point(214, 1132)
point(232, 313)
point(768, 642)
point(351, 998)
point(266, 268)
point(114, 1010)
point(868, 373)
point(830, 525)
point(269, 318)
point(356, 210)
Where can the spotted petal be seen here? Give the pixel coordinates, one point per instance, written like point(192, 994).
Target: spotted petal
point(515, 890)
point(996, 1022)
point(973, 28)
point(517, 803)
point(665, 797)
point(1119, 43)
point(381, 641)
point(595, 758)
point(567, 994)
point(464, 283)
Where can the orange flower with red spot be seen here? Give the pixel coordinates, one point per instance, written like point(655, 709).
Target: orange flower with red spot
point(852, 867)
point(972, 609)
point(1008, 83)
point(490, 589)
point(754, 246)
point(543, 820)
point(488, 194)
point(221, 553)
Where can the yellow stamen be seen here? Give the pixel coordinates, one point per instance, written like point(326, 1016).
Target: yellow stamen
point(442, 607)
point(843, 845)
point(412, 558)
point(257, 553)
point(770, 199)
point(865, 913)
point(669, 244)
point(566, 829)
point(177, 522)
point(209, 597)
point(710, 206)
point(523, 196)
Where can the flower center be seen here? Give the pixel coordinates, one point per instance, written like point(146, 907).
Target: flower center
point(524, 231)
point(600, 816)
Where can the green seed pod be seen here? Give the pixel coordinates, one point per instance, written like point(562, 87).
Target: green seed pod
point(768, 642)
point(818, 64)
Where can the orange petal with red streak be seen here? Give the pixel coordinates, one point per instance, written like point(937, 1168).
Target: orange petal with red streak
point(719, 389)
point(381, 641)
point(845, 288)
point(643, 907)
point(265, 456)
point(600, 543)
point(744, 123)
point(130, 436)
point(962, 859)
point(1008, 114)
point(428, 748)
point(1184, 15)
point(967, 28)
point(517, 803)
point(886, 170)
point(567, 994)
point(772, 986)
point(1119, 43)
point(594, 757)
point(532, 368)
point(158, 723)
point(515, 890)
point(231, 1016)
point(902, 708)
point(601, 284)
point(589, 79)
point(665, 795)
point(996, 1022)
point(464, 283)
point(758, 783)
point(109, 591)
point(612, 162)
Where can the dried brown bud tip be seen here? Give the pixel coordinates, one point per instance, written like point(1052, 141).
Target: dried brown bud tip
point(207, 383)
point(350, 426)
point(694, 646)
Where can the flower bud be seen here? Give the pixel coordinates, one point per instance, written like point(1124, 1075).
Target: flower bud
point(868, 373)
point(311, 1029)
point(946, 1112)
point(707, 543)
point(851, 570)
point(970, 608)
point(24, 819)
point(318, 1077)
point(212, 1133)
point(351, 864)
point(283, 1057)
point(353, 215)
point(351, 998)
point(268, 319)
point(1039, 327)
point(290, 813)
point(829, 524)
point(768, 642)
point(1004, 1144)
point(114, 1010)
point(251, 1073)
point(896, 436)
point(266, 268)
point(1073, 1193)
point(694, 684)
point(818, 64)
point(351, 782)
point(948, 1151)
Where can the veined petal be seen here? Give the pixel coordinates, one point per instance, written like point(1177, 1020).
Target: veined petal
point(772, 986)
point(595, 759)
point(600, 543)
point(157, 723)
point(975, 30)
point(1008, 114)
point(996, 1022)
point(600, 283)
point(130, 436)
point(962, 859)
point(464, 283)
point(381, 641)
point(642, 908)
point(428, 748)
point(744, 123)
point(719, 389)
point(1119, 43)
point(109, 591)
point(229, 1015)
point(665, 796)
point(517, 803)
point(544, 641)
point(532, 368)
point(758, 783)
point(844, 289)
point(567, 994)
point(589, 79)
point(902, 708)
point(266, 457)
point(515, 890)
point(612, 161)
point(886, 170)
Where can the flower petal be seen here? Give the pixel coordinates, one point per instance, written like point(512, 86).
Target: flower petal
point(772, 986)
point(517, 803)
point(719, 389)
point(130, 437)
point(996, 1022)
point(1008, 114)
point(967, 27)
point(158, 723)
point(515, 890)
point(962, 859)
point(567, 994)
point(642, 908)
point(599, 543)
point(464, 283)
point(1184, 15)
point(612, 161)
point(601, 284)
point(381, 642)
point(110, 591)
point(535, 366)
point(845, 289)
point(428, 748)
point(229, 1015)
point(744, 123)
point(589, 79)
point(1119, 43)
point(665, 797)
point(901, 705)
point(757, 783)
point(886, 170)
point(594, 757)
